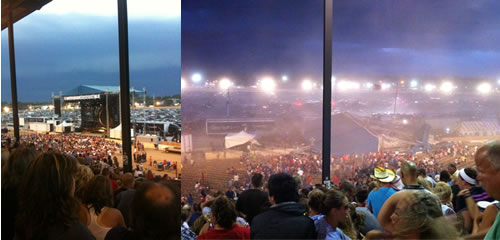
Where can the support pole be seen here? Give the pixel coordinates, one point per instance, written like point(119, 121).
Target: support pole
point(124, 84)
point(327, 88)
point(13, 79)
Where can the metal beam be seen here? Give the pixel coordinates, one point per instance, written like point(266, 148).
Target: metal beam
point(13, 80)
point(327, 87)
point(124, 84)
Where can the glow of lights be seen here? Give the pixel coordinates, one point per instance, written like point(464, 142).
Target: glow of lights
point(385, 86)
point(447, 130)
point(196, 77)
point(6, 109)
point(402, 82)
point(183, 83)
point(369, 85)
point(136, 104)
point(347, 85)
point(429, 87)
point(498, 81)
point(307, 85)
point(484, 88)
point(333, 79)
point(446, 87)
point(405, 121)
point(225, 84)
point(157, 103)
point(267, 85)
point(414, 83)
point(284, 78)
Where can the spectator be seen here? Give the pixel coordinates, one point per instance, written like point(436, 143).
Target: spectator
point(155, 214)
point(186, 234)
point(409, 177)
point(285, 219)
point(253, 201)
point(106, 172)
point(369, 221)
point(83, 177)
point(334, 209)
point(48, 208)
point(222, 223)
point(315, 199)
point(487, 160)
point(99, 201)
point(125, 197)
point(377, 197)
point(421, 172)
point(12, 173)
point(413, 215)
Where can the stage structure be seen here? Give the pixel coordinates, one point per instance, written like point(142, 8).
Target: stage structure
point(99, 106)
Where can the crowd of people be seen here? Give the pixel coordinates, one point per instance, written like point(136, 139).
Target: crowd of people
point(403, 196)
point(64, 187)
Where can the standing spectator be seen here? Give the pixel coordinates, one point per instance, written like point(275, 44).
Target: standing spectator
point(487, 160)
point(106, 172)
point(285, 219)
point(378, 196)
point(222, 223)
point(334, 209)
point(48, 208)
point(253, 201)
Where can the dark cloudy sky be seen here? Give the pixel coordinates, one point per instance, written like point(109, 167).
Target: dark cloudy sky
point(421, 39)
point(68, 43)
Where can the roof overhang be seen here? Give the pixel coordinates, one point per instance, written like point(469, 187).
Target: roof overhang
point(20, 9)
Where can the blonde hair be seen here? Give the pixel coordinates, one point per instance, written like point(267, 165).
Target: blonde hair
point(82, 179)
point(443, 191)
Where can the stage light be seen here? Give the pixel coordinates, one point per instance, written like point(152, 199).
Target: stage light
point(196, 77)
point(267, 84)
point(447, 87)
point(484, 88)
point(429, 87)
point(385, 86)
point(405, 122)
point(284, 78)
point(225, 84)
point(414, 83)
point(369, 85)
point(307, 85)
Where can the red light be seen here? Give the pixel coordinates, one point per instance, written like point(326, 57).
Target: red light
point(299, 104)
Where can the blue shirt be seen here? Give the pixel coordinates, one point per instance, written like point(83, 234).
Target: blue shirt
point(326, 231)
point(376, 199)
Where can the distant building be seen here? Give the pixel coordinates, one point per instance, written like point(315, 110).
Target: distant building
point(478, 128)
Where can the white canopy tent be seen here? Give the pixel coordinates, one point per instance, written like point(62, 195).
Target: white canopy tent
point(237, 139)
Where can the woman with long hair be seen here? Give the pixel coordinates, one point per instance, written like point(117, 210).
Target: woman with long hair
point(335, 209)
point(99, 201)
point(48, 208)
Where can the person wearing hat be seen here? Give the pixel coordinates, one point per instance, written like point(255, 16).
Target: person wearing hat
point(378, 196)
point(469, 195)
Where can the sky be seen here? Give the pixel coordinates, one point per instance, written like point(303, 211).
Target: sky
point(69, 43)
point(244, 40)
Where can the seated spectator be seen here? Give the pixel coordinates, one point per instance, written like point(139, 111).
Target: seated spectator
point(83, 177)
point(124, 198)
point(285, 219)
point(12, 173)
point(335, 209)
point(378, 196)
point(155, 214)
point(222, 223)
point(99, 201)
point(48, 208)
point(253, 201)
point(413, 215)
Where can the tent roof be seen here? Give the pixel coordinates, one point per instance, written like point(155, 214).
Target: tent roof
point(93, 89)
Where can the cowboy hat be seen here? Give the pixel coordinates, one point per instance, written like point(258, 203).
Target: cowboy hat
point(384, 175)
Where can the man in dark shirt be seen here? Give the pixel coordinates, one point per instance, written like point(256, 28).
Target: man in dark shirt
point(253, 201)
point(286, 218)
